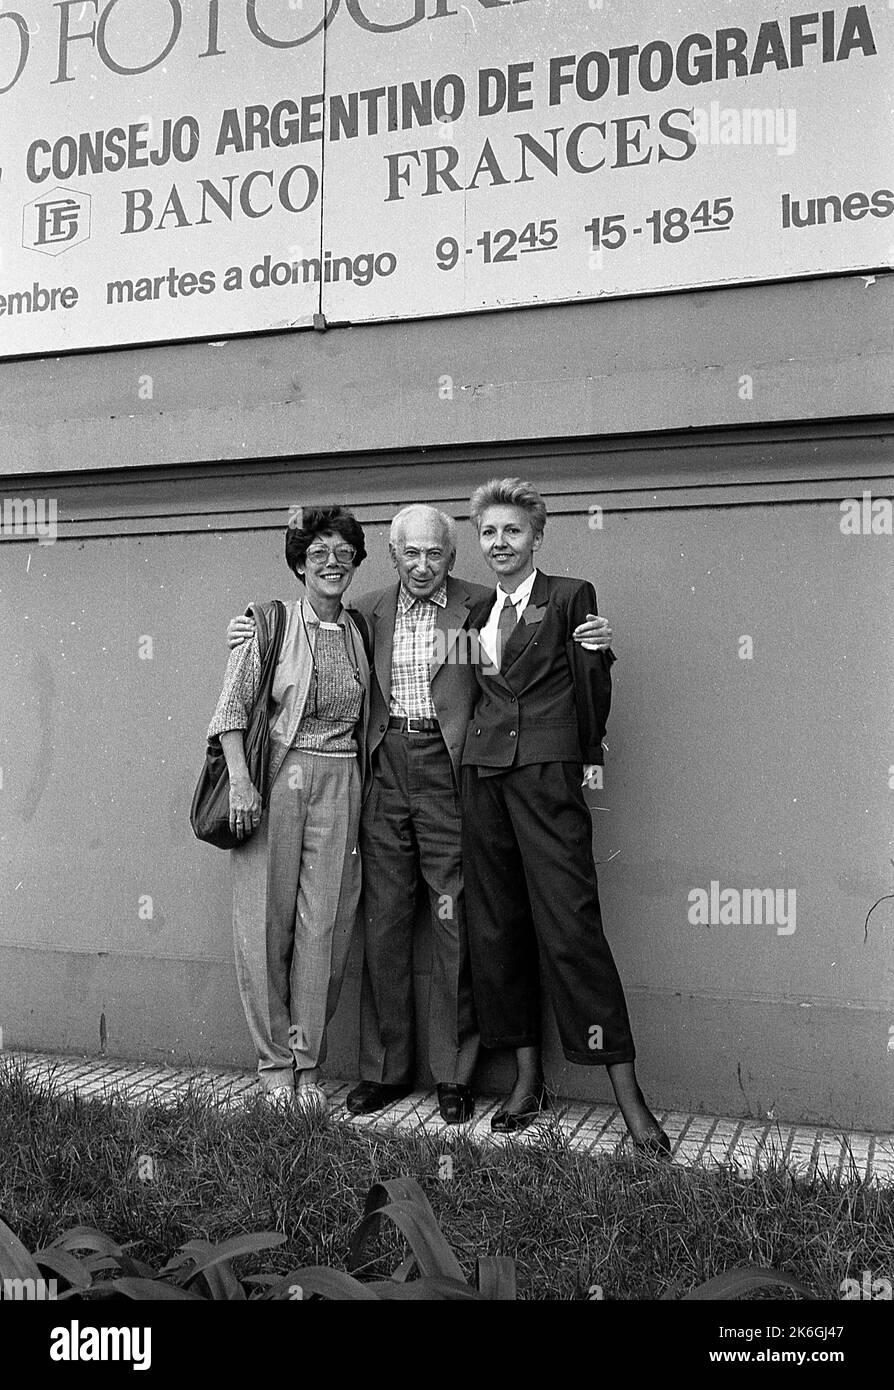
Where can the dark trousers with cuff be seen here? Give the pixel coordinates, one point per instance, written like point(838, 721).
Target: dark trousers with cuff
point(410, 829)
point(533, 907)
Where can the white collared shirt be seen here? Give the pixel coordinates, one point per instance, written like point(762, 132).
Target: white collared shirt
point(520, 600)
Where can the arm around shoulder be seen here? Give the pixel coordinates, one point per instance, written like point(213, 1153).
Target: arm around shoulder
point(591, 674)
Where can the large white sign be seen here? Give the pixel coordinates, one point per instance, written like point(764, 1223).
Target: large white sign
point(195, 168)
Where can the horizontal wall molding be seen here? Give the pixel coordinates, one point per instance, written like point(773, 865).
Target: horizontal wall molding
point(781, 465)
point(799, 350)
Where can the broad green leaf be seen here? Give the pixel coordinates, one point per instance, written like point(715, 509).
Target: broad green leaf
point(495, 1278)
point(403, 1189)
point(15, 1260)
point(149, 1290)
point(62, 1262)
point(418, 1226)
point(247, 1244)
point(222, 1283)
point(734, 1282)
point(331, 1283)
point(434, 1289)
point(85, 1238)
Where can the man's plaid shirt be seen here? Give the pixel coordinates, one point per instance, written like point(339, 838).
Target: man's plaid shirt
point(413, 649)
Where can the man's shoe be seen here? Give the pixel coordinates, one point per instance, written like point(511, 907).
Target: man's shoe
point(455, 1102)
point(513, 1121)
point(370, 1096)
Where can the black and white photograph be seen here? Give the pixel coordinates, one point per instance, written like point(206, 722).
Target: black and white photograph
point(446, 740)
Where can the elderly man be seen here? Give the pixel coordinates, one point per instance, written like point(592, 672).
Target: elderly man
point(423, 688)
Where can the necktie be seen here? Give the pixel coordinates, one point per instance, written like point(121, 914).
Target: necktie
point(506, 625)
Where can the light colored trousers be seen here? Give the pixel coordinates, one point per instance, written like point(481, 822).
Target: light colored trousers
point(296, 884)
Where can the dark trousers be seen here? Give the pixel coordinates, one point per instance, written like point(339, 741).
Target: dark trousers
point(411, 828)
point(533, 906)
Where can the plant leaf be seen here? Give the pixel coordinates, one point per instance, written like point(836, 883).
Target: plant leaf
point(403, 1189)
point(331, 1283)
point(453, 1290)
point(404, 1270)
point(246, 1244)
point(222, 1283)
point(154, 1290)
point(732, 1283)
point(495, 1278)
point(415, 1220)
point(62, 1262)
point(85, 1238)
point(15, 1260)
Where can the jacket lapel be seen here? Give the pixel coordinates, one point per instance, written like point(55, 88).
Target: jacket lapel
point(450, 621)
point(362, 665)
point(385, 616)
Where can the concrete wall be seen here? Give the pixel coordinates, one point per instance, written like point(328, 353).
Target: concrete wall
point(771, 772)
point(817, 349)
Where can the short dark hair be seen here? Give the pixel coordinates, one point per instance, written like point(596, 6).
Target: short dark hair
point(306, 523)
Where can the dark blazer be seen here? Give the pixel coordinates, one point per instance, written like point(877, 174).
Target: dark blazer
point(454, 688)
point(551, 700)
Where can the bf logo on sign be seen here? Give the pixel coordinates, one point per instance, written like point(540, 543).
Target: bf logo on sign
point(56, 221)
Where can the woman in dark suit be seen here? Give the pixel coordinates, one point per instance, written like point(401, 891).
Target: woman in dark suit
point(531, 890)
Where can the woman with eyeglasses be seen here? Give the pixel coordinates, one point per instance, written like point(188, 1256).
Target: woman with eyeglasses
point(296, 876)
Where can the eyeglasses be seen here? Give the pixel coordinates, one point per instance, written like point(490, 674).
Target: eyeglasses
point(319, 554)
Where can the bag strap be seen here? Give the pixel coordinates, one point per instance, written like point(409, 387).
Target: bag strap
point(269, 645)
point(362, 626)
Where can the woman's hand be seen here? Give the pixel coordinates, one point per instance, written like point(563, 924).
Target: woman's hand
point(594, 635)
point(240, 630)
point(245, 807)
point(592, 776)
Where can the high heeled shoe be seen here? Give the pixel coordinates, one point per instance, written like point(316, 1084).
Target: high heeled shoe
point(656, 1146)
point(514, 1121)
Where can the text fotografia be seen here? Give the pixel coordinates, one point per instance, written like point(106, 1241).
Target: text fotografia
point(582, 147)
point(82, 26)
point(77, 1343)
point(733, 907)
point(29, 518)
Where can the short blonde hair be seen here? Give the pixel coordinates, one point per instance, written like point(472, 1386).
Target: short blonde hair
point(509, 492)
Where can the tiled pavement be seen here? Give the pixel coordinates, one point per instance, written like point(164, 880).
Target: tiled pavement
point(703, 1140)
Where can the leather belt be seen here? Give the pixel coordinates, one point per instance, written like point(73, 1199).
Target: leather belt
point(415, 726)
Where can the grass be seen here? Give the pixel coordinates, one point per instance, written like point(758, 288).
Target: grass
point(570, 1222)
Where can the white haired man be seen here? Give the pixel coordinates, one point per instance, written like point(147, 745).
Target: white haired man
point(423, 688)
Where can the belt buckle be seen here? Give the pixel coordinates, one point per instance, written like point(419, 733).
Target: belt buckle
point(410, 729)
